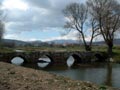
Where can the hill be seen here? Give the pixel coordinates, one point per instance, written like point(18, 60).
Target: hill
point(58, 42)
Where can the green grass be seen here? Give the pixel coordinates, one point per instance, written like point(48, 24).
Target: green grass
point(116, 53)
point(103, 87)
point(5, 50)
point(55, 48)
point(61, 48)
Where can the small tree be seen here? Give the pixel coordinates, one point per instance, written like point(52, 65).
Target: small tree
point(107, 15)
point(77, 15)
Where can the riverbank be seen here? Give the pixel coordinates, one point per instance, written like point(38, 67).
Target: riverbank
point(14, 77)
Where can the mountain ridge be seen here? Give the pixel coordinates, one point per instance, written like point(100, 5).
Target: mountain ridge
point(62, 41)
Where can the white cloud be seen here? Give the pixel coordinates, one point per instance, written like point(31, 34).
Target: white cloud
point(71, 35)
point(11, 36)
point(15, 4)
point(32, 15)
point(18, 37)
point(99, 38)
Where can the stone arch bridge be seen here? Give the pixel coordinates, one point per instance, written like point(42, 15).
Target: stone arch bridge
point(55, 56)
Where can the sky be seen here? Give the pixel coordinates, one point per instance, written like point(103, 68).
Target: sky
point(30, 20)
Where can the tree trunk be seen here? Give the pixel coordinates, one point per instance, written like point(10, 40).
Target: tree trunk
point(88, 48)
point(110, 52)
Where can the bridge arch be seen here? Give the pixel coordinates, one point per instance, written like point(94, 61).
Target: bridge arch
point(51, 58)
point(74, 59)
point(18, 60)
point(47, 56)
point(99, 57)
point(24, 58)
point(78, 58)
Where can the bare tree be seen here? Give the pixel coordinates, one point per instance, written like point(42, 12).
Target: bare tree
point(107, 14)
point(77, 15)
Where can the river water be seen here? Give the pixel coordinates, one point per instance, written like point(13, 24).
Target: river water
point(100, 73)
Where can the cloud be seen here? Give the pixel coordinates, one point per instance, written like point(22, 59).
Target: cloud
point(32, 19)
point(10, 36)
point(18, 37)
point(51, 4)
point(15, 4)
point(35, 15)
point(38, 15)
point(72, 35)
point(39, 3)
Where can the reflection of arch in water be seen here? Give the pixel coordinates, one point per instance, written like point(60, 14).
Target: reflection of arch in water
point(44, 61)
point(73, 59)
point(17, 60)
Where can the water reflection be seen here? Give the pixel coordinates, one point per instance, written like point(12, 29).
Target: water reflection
point(100, 73)
point(17, 61)
point(70, 61)
point(43, 62)
point(116, 75)
point(96, 75)
point(108, 80)
point(42, 65)
point(107, 74)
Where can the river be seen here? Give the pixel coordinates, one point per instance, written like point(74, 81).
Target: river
point(100, 73)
